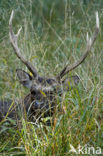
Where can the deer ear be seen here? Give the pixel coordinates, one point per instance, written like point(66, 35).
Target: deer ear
point(24, 78)
point(70, 82)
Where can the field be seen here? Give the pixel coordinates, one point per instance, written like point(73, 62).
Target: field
point(54, 34)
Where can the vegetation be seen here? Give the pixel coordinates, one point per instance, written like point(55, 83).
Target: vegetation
point(53, 33)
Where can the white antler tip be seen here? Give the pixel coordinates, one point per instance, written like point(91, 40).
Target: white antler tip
point(12, 13)
point(19, 32)
point(97, 19)
point(87, 37)
point(11, 17)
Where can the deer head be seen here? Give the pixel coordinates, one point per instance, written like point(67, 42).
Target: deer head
point(43, 91)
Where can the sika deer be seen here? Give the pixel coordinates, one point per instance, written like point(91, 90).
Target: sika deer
point(41, 101)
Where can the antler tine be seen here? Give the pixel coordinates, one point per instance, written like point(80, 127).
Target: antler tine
point(13, 40)
point(90, 42)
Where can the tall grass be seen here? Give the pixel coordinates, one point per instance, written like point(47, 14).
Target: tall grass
point(53, 34)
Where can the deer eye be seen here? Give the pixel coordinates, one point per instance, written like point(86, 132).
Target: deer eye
point(33, 92)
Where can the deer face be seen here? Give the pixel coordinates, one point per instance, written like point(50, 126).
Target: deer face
point(44, 91)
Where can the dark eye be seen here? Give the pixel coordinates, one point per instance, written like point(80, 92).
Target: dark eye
point(33, 92)
point(50, 81)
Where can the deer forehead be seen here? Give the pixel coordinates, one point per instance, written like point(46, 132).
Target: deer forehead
point(43, 84)
point(44, 81)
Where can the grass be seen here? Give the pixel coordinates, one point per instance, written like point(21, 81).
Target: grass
point(54, 42)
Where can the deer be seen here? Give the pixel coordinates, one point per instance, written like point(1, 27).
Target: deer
point(41, 100)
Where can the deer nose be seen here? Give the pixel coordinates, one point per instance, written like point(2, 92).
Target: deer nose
point(33, 92)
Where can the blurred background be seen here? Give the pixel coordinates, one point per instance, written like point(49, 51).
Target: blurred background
point(38, 12)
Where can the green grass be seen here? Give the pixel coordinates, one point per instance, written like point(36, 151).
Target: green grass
point(49, 42)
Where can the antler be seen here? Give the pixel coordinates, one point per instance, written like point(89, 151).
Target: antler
point(90, 42)
point(13, 40)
